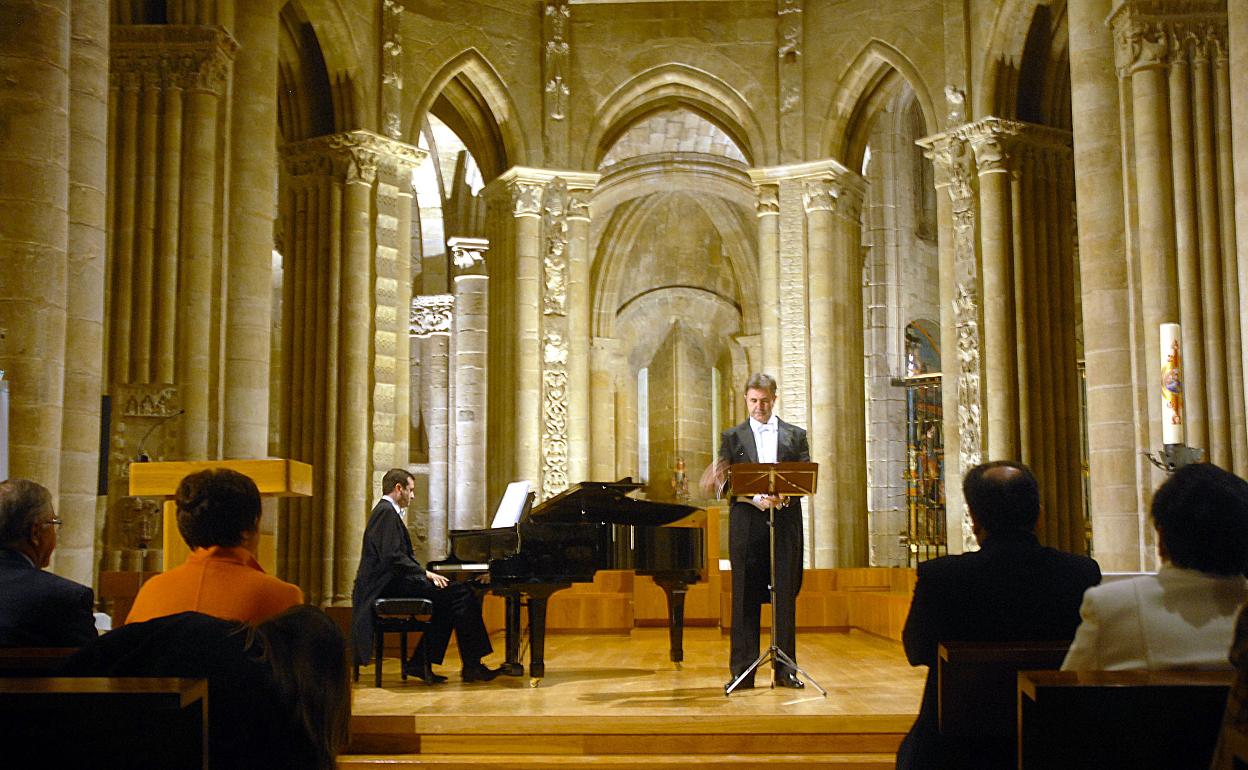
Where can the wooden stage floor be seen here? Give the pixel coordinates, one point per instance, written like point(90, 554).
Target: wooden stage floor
point(615, 700)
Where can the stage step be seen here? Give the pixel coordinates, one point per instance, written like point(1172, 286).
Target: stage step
point(618, 761)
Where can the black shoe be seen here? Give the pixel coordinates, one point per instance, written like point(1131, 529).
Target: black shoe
point(479, 673)
point(423, 672)
point(791, 681)
point(746, 684)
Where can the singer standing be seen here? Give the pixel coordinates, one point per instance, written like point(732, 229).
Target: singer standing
point(763, 438)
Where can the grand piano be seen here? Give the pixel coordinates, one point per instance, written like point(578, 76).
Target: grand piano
point(564, 540)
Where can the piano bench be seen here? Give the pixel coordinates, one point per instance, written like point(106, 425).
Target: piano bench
point(396, 616)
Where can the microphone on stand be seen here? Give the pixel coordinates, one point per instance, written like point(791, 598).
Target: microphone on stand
point(142, 456)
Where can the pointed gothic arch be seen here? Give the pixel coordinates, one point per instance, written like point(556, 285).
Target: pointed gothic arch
point(468, 95)
point(869, 82)
point(676, 84)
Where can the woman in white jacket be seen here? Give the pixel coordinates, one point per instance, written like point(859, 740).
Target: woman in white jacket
point(1184, 616)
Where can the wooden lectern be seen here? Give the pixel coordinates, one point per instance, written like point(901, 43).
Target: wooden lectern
point(274, 478)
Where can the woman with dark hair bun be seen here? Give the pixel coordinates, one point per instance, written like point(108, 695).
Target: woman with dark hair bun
point(279, 695)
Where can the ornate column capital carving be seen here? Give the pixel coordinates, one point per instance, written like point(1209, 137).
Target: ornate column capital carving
point(523, 188)
point(578, 205)
point(431, 314)
point(992, 139)
point(357, 156)
point(820, 194)
point(467, 252)
point(1148, 33)
point(188, 57)
point(768, 200)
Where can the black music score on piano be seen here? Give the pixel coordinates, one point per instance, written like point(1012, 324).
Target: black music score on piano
point(564, 540)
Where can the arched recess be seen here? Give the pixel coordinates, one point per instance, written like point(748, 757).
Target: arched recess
point(319, 33)
point(468, 95)
point(613, 264)
point(304, 97)
point(874, 77)
point(1027, 64)
point(675, 85)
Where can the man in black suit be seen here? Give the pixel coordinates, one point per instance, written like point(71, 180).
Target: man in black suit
point(767, 439)
point(1011, 589)
point(389, 568)
point(37, 608)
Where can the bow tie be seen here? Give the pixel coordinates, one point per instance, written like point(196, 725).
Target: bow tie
point(766, 428)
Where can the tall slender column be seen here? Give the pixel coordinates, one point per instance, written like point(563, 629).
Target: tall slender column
point(249, 264)
point(84, 332)
point(1143, 48)
point(826, 329)
point(579, 398)
point(470, 340)
point(34, 179)
point(768, 209)
point(526, 328)
point(989, 139)
point(1236, 115)
point(431, 321)
point(850, 506)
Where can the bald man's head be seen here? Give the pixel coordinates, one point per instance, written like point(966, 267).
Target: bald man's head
point(1003, 497)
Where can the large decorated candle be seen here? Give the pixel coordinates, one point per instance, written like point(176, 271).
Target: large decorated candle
point(1171, 385)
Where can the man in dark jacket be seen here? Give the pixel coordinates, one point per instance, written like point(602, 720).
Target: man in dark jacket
point(37, 608)
point(388, 568)
point(1011, 589)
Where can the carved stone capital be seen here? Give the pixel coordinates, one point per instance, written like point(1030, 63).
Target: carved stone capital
point(819, 195)
point(768, 203)
point(467, 252)
point(431, 314)
point(174, 56)
point(992, 140)
point(357, 156)
point(1149, 33)
point(578, 205)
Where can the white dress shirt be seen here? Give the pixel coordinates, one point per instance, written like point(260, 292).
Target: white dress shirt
point(766, 439)
point(402, 512)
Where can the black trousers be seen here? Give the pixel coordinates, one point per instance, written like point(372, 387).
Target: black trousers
point(749, 544)
point(455, 608)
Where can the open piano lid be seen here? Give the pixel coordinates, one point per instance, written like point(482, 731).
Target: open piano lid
point(607, 502)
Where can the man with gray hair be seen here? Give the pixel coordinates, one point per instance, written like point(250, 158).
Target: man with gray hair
point(37, 608)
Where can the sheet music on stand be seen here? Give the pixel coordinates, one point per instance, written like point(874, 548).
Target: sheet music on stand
point(511, 507)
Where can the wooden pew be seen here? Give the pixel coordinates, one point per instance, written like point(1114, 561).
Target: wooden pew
point(977, 695)
point(1105, 719)
point(128, 722)
point(33, 661)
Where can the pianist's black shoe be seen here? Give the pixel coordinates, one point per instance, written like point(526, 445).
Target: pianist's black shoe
point(422, 671)
point(790, 680)
point(478, 672)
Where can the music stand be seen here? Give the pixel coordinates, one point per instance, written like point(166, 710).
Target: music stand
point(785, 480)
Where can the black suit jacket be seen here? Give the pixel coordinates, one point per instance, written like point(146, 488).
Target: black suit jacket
point(386, 556)
point(1012, 589)
point(40, 609)
point(737, 446)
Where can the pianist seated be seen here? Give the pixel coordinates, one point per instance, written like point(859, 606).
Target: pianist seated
point(389, 569)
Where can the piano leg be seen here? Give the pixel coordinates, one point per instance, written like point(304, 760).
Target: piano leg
point(513, 665)
point(676, 617)
point(537, 639)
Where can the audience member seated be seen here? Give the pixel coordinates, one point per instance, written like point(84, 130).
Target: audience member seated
point(1234, 734)
point(37, 608)
point(219, 518)
point(278, 692)
point(1011, 589)
point(1184, 616)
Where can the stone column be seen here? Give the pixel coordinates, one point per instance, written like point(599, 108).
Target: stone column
point(1237, 96)
point(1142, 56)
point(603, 368)
point(989, 139)
point(768, 207)
point(34, 231)
point(470, 342)
point(432, 319)
point(342, 284)
point(84, 332)
point(826, 298)
point(579, 301)
point(526, 369)
point(249, 263)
